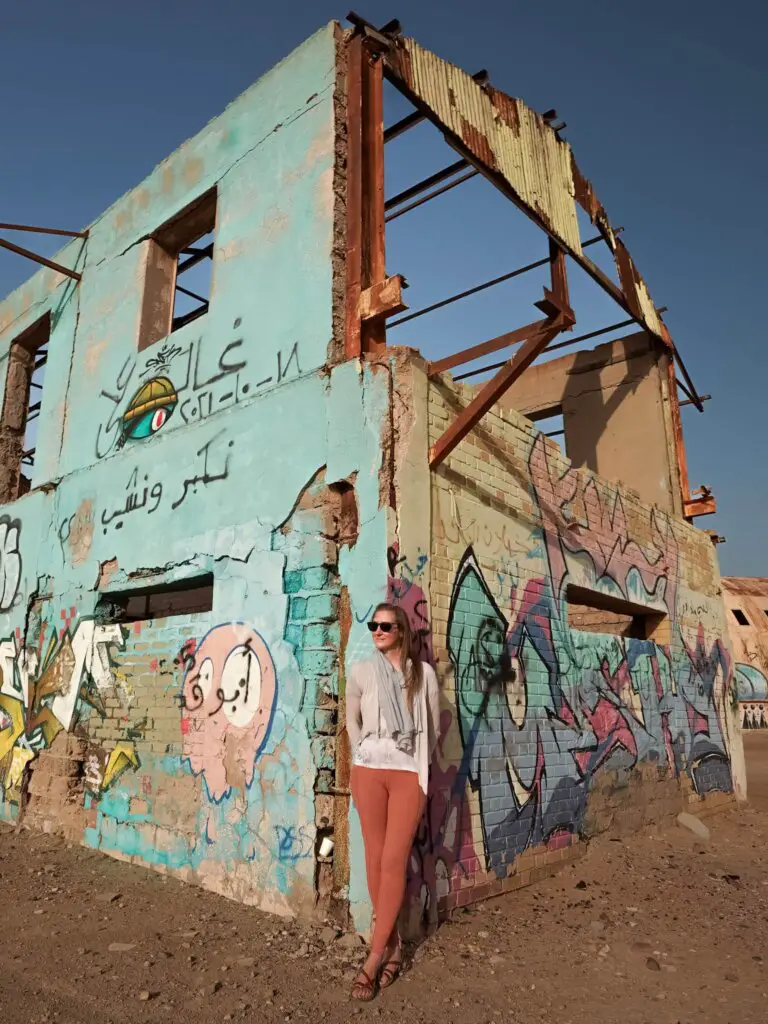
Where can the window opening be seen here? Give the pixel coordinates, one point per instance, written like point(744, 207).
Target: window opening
point(179, 271)
point(27, 361)
point(551, 423)
point(187, 597)
point(590, 612)
point(740, 617)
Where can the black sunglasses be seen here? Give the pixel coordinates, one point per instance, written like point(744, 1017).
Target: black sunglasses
point(385, 627)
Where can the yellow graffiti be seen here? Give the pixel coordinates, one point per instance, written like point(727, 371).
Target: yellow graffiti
point(123, 756)
point(14, 728)
point(19, 760)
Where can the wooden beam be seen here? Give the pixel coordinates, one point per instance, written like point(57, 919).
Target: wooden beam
point(493, 390)
point(383, 299)
point(699, 507)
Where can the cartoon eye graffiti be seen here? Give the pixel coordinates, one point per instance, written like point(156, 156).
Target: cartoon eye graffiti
point(241, 685)
point(149, 409)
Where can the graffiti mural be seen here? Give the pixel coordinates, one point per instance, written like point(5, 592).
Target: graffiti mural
point(228, 700)
point(10, 561)
point(147, 392)
point(148, 411)
point(752, 692)
point(443, 852)
point(45, 689)
point(542, 707)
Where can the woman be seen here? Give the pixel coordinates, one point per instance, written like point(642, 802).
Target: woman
point(392, 722)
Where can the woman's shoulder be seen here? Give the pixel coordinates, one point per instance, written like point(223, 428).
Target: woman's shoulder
point(429, 675)
point(360, 670)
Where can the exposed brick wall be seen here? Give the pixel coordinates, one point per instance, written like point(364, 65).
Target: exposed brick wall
point(556, 734)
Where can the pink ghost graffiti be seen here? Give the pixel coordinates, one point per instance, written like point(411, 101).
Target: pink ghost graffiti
point(228, 699)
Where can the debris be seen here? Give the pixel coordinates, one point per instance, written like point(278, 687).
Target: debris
point(145, 995)
point(121, 947)
point(693, 824)
point(652, 964)
point(351, 940)
point(109, 897)
point(328, 935)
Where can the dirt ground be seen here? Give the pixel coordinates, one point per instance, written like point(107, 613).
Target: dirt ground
point(664, 928)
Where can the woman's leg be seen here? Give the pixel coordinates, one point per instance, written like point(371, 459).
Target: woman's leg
point(369, 792)
point(370, 795)
point(406, 806)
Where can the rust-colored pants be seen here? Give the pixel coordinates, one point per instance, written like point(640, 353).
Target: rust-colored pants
point(390, 805)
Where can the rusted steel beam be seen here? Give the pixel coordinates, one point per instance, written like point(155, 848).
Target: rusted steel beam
point(702, 398)
point(197, 257)
point(43, 231)
point(482, 287)
point(493, 390)
point(486, 347)
point(677, 430)
point(552, 348)
point(374, 275)
point(422, 186)
point(496, 177)
point(380, 37)
point(559, 275)
point(5, 244)
point(352, 343)
point(684, 389)
point(403, 125)
point(692, 392)
point(556, 299)
point(432, 195)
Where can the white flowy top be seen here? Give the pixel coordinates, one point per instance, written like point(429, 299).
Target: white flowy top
point(372, 746)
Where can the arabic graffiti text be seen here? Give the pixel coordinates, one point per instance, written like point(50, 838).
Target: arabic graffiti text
point(174, 383)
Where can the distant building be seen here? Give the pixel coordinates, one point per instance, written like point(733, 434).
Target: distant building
point(746, 599)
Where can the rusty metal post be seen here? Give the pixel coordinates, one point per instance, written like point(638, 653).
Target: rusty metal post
point(373, 202)
point(352, 343)
point(677, 429)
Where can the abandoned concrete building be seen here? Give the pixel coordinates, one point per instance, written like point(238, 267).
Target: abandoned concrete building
point(205, 492)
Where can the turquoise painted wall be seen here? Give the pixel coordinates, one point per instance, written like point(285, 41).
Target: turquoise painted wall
point(202, 737)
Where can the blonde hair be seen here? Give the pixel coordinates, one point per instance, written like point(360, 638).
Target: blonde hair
point(408, 650)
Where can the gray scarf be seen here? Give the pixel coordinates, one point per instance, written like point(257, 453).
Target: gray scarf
point(393, 702)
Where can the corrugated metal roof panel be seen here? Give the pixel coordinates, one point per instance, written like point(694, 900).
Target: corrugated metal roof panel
point(502, 133)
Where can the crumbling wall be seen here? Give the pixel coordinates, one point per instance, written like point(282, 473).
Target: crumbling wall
point(200, 741)
point(615, 406)
point(552, 733)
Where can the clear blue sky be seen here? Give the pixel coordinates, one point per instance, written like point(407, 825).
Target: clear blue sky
point(667, 110)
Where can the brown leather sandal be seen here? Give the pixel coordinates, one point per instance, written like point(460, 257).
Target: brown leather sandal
point(391, 970)
point(363, 990)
